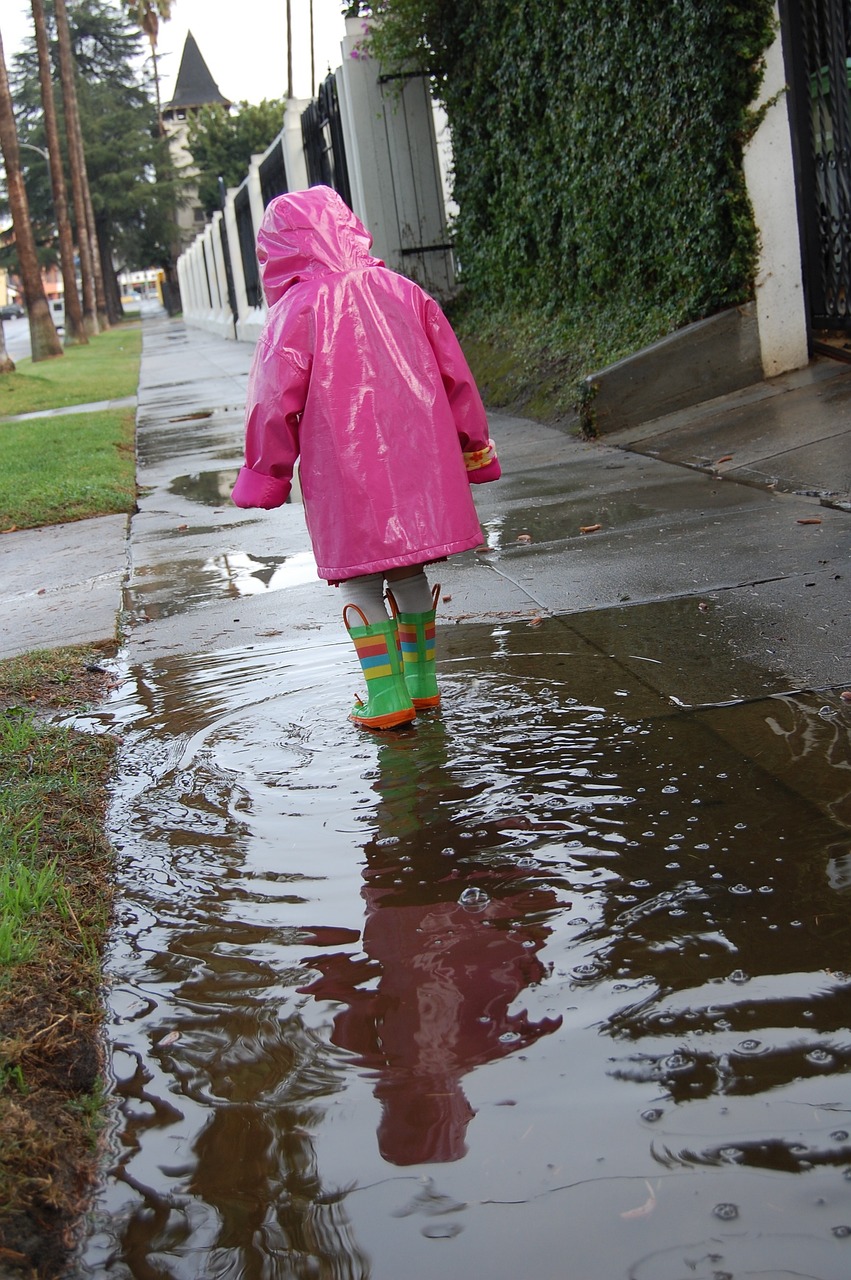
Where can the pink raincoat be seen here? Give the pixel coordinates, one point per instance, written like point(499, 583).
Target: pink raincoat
point(358, 374)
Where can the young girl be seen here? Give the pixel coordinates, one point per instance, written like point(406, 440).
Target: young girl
point(358, 374)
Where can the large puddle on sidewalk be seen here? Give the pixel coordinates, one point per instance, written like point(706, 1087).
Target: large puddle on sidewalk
point(555, 984)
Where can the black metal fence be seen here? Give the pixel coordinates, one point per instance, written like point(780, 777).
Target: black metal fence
point(247, 251)
point(273, 174)
point(817, 41)
point(324, 146)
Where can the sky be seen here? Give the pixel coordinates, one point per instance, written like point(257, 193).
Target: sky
point(243, 42)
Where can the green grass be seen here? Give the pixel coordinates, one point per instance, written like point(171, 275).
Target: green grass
point(533, 363)
point(33, 817)
point(67, 676)
point(56, 886)
point(66, 468)
point(26, 890)
point(56, 865)
point(77, 465)
point(51, 808)
point(107, 368)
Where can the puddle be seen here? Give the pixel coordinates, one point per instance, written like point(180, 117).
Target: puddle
point(538, 508)
point(165, 590)
point(210, 487)
point(545, 973)
point(160, 443)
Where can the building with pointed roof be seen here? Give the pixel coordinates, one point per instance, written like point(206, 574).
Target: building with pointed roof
point(195, 86)
point(193, 89)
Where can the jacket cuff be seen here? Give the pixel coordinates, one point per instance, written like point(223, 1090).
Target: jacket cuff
point(252, 489)
point(483, 474)
point(476, 459)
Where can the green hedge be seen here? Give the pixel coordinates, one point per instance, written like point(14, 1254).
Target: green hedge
point(597, 145)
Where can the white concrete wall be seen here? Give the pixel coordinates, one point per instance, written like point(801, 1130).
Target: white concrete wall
point(770, 177)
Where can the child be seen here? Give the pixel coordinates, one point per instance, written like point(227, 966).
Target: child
point(358, 374)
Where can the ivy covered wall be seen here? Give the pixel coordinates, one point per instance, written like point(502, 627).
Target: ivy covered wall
point(597, 145)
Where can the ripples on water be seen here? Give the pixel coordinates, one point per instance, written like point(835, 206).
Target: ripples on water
point(555, 983)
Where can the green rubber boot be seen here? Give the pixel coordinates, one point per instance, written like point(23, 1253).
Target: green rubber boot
point(416, 640)
point(388, 701)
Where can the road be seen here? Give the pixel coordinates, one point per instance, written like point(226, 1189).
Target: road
point(17, 335)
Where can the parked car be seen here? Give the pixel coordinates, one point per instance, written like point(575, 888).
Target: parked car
point(12, 311)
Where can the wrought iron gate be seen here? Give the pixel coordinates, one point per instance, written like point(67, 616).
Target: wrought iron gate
point(247, 250)
point(818, 53)
point(273, 173)
point(324, 148)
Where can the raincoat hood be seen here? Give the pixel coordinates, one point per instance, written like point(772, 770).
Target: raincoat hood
point(306, 234)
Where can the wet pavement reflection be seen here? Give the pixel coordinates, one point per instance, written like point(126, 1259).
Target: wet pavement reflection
point(555, 983)
point(163, 591)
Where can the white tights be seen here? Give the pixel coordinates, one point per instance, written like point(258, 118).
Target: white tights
point(412, 594)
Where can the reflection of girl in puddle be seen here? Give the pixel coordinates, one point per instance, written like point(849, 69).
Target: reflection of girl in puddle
point(431, 997)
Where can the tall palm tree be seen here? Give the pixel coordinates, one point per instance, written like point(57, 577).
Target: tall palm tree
point(74, 328)
point(97, 262)
point(44, 339)
point(147, 14)
point(77, 169)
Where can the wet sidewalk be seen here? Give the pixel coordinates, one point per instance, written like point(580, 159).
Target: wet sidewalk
point(741, 505)
point(553, 982)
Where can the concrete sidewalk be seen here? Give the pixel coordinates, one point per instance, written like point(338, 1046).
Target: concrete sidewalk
point(740, 507)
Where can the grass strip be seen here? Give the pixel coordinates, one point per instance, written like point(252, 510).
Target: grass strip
point(66, 468)
point(533, 363)
point(56, 870)
point(107, 368)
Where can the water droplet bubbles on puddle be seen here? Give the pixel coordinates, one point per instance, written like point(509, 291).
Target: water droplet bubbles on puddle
point(337, 955)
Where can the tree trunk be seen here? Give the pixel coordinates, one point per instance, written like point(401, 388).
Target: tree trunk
point(74, 329)
point(97, 269)
point(160, 125)
point(75, 151)
point(43, 336)
point(112, 291)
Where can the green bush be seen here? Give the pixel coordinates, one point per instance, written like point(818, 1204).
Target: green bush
point(597, 146)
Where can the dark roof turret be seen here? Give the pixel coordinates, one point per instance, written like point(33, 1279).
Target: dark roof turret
point(195, 87)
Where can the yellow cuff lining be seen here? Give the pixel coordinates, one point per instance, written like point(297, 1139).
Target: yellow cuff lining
point(480, 457)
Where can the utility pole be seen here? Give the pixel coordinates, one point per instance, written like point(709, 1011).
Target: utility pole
point(289, 50)
point(312, 71)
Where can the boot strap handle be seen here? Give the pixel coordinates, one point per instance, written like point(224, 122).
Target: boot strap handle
point(357, 609)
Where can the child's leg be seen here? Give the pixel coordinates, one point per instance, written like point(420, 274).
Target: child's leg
point(416, 603)
point(367, 592)
point(410, 589)
point(376, 642)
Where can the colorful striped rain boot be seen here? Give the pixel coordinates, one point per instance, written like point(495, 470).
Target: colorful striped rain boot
point(416, 639)
point(388, 700)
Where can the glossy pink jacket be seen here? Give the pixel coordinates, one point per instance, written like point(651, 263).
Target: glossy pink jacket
point(358, 374)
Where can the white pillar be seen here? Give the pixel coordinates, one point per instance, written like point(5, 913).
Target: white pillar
point(294, 158)
point(770, 177)
point(255, 193)
point(200, 303)
point(215, 305)
point(183, 285)
point(224, 318)
point(235, 256)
